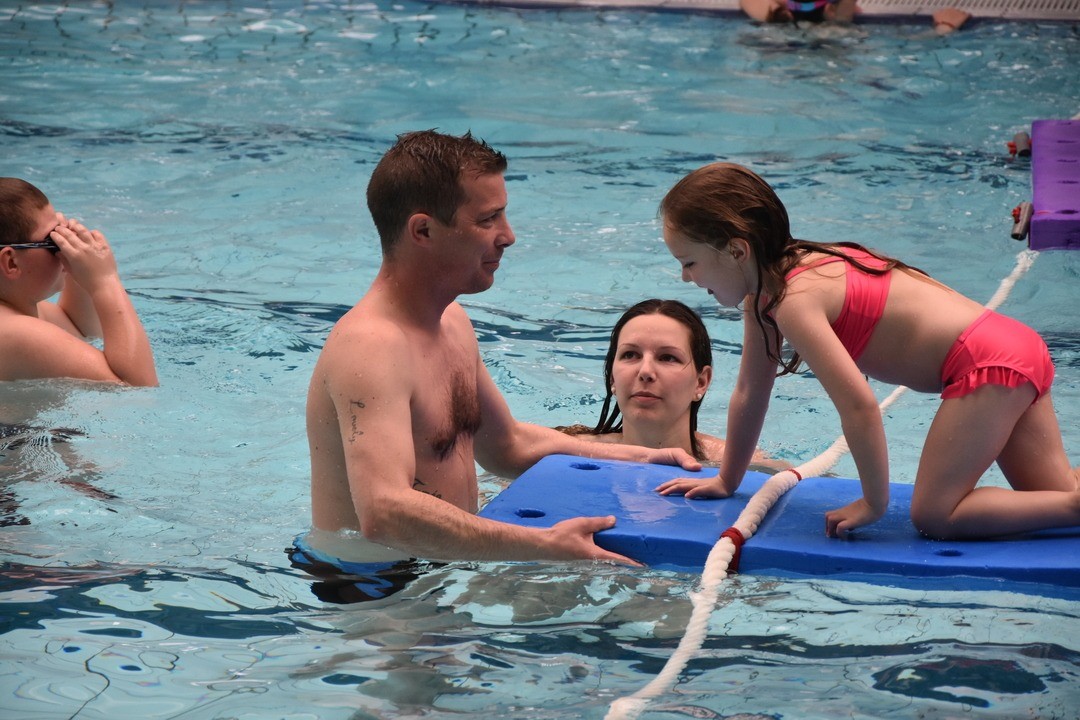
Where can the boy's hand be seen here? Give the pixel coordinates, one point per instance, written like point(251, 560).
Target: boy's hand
point(84, 253)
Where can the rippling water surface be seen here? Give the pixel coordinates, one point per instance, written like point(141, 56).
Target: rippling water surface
point(224, 149)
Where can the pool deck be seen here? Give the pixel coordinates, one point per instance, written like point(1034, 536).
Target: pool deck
point(1067, 10)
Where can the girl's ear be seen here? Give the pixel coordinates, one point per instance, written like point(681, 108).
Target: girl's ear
point(739, 248)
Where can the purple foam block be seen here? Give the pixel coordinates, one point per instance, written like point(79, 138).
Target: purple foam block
point(1055, 185)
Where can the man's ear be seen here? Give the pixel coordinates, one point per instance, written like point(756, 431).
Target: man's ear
point(419, 228)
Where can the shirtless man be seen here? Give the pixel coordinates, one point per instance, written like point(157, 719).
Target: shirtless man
point(401, 408)
point(42, 253)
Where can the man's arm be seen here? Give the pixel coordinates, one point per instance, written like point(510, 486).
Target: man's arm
point(371, 383)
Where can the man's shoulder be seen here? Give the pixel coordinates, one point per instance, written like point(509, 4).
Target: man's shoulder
point(365, 322)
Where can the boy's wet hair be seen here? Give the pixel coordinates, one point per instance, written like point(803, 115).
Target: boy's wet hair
point(19, 202)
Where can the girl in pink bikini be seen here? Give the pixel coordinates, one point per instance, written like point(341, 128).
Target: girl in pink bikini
point(848, 312)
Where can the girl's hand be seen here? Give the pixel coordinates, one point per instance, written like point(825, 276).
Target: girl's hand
point(839, 523)
point(694, 488)
point(85, 253)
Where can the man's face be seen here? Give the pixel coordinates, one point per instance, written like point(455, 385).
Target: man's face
point(475, 241)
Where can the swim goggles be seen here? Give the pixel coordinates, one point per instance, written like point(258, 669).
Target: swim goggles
point(47, 244)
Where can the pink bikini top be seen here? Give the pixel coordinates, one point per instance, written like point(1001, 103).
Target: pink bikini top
point(864, 299)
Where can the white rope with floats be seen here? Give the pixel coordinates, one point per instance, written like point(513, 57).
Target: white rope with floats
point(720, 557)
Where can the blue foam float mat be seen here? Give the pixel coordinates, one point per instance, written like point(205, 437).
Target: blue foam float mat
point(672, 532)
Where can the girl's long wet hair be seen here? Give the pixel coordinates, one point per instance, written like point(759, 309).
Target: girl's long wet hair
point(700, 353)
point(722, 201)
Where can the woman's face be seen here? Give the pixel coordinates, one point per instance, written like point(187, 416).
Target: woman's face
point(653, 374)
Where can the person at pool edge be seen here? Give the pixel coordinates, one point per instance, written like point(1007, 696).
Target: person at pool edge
point(946, 20)
point(42, 253)
point(400, 407)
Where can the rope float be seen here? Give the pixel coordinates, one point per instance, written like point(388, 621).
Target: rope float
point(724, 554)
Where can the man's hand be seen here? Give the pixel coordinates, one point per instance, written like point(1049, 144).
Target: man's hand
point(695, 488)
point(573, 540)
point(673, 456)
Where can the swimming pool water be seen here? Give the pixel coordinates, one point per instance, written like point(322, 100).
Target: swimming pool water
point(224, 150)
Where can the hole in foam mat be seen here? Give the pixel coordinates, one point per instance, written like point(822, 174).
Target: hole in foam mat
point(530, 513)
point(948, 553)
point(584, 466)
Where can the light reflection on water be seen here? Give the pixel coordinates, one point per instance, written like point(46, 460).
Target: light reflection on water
point(224, 151)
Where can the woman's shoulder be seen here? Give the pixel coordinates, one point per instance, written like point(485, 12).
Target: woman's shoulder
point(712, 452)
point(588, 433)
point(711, 448)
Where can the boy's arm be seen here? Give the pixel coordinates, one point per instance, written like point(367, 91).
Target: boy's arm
point(37, 348)
point(78, 309)
point(75, 311)
point(99, 305)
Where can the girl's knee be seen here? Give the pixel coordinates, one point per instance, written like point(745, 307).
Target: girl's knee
point(932, 528)
point(930, 521)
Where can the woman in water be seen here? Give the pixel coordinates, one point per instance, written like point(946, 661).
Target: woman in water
point(657, 370)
